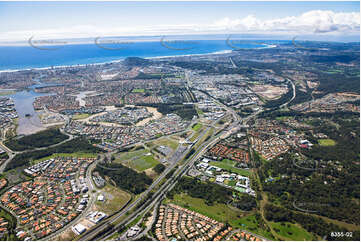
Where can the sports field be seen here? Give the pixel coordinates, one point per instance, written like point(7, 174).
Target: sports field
point(197, 126)
point(144, 162)
point(228, 165)
point(138, 90)
point(80, 116)
point(326, 142)
point(139, 160)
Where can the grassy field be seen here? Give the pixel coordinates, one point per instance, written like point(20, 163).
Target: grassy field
point(80, 116)
point(209, 133)
point(167, 142)
point(6, 92)
point(219, 212)
point(128, 155)
point(197, 126)
point(199, 112)
point(229, 166)
point(333, 71)
point(77, 154)
point(326, 142)
point(250, 223)
point(291, 231)
point(284, 118)
point(138, 90)
point(115, 198)
point(143, 163)
point(196, 135)
point(340, 223)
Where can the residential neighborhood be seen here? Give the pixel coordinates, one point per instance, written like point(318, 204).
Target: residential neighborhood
point(56, 196)
point(177, 223)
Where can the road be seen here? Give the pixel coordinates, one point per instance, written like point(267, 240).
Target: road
point(171, 182)
point(92, 199)
point(12, 154)
point(168, 185)
point(293, 96)
point(97, 229)
point(94, 231)
point(233, 64)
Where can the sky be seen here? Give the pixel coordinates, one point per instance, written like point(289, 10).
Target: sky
point(53, 20)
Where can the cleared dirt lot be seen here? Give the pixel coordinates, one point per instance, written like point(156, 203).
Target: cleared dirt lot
point(268, 91)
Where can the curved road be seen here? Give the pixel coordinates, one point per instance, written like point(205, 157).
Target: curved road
point(12, 154)
point(94, 231)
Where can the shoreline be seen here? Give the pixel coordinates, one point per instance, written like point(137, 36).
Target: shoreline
point(219, 52)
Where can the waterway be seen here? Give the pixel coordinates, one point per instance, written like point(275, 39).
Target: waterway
point(23, 101)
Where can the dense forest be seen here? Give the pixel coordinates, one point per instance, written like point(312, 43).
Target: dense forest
point(143, 75)
point(159, 168)
point(184, 111)
point(75, 145)
point(136, 61)
point(330, 83)
point(37, 140)
point(346, 133)
point(333, 58)
point(330, 176)
point(4, 155)
point(210, 192)
point(11, 235)
point(125, 178)
point(301, 97)
point(245, 202)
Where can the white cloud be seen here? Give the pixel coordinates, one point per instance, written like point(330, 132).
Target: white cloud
point(312, 22)
point(316, 21)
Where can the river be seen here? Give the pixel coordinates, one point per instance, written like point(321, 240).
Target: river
point(23, 101)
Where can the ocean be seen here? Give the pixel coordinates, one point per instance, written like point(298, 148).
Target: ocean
point(41, 56)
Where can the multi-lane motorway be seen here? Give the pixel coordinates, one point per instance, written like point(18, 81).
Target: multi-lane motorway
point(136, 208)
point(170, 183)
point(179, 155)
point(167, 185)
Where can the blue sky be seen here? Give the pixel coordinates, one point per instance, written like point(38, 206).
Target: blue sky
point(18, 20)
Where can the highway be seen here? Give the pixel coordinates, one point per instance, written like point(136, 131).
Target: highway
point(116, 216)
point(94, 231)
point(159, 194)
point(92, 199)
point(293, 96)
point(170, 183)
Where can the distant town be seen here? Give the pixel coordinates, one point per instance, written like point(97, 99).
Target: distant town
point(248, 145)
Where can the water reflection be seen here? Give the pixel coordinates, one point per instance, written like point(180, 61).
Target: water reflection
point(24, 106)
point(29, 121)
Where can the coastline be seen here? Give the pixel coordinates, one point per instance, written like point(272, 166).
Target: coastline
point(219, 52)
